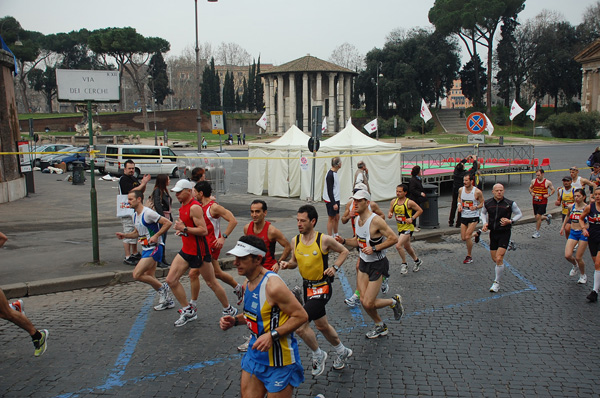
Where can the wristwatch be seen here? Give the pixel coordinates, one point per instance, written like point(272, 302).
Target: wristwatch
point(185, 229)
point(275, 335)
point(225, 236)
point(336, 268)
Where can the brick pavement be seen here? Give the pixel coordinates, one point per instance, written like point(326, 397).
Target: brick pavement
point(535, 337)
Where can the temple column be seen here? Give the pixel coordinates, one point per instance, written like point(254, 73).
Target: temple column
point(347, 99)
point(272, 120)
point(267, 98)
point(305, 110)
point(340, 100)
point(280, 110)
point(331, 120)
point(292, 99)
point(319, 93)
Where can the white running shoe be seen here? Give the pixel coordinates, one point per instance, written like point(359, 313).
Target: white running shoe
point(163, 293)
point(582, 279)
point(404, 268)
point(417, 265)
point(186, 315)
point(495, 287)
point(230, 311)
point(165, 305)
point(239, 292)
point(353, 301)
point(536, 235)
point(340, 361)
point(574, 271)
point(385, 285)
point(318, 364)
point(244, 347)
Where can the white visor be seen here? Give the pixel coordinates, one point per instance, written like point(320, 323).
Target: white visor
point(242, 249)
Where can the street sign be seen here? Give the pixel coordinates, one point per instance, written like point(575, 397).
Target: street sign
point(476, 139)
point(311, 144)
point(217, 122)
point(88, 85)
point(476, 122)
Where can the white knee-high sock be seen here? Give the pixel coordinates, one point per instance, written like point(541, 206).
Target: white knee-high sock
point(597, 281)
point(499, 270)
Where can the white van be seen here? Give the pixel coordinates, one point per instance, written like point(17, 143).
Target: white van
point(148, 159)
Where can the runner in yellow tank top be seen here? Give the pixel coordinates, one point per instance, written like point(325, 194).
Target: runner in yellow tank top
point(405, 211)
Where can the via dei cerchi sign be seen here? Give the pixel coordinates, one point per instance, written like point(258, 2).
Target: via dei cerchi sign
point(88, 85)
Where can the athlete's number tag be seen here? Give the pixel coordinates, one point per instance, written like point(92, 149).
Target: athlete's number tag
point(362, 242)
point(400, 219)
point(467, 204)
point(538, 198)
point(317, 290)
point(251, 321)
point(143, 241)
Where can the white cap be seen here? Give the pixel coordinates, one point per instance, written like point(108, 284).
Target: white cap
point(181, 185)
point(361, 194)
point(242, 249)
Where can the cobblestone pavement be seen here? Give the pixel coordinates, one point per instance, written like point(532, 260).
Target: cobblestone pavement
point(533, 338)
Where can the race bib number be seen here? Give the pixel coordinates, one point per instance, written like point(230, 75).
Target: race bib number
point(400, 219)
point(251, 321)
point(318, 290)
point(538, 197)
point(362, 242)
point(467, 204)
point(567, 203)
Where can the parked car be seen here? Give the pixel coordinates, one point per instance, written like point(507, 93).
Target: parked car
point(73, 154)
point(148, 159)
point(46, 148)
point(100, 158)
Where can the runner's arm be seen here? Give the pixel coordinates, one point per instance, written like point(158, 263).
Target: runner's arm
point(165, 224)
point(584, 214)
point(275, 234)
point(219, 211)
point(551, 188)
point(346, 215)
point(377, 210)
point(416, 208)
point(517, 214)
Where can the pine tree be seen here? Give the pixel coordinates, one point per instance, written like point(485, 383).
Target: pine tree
point(258, 89)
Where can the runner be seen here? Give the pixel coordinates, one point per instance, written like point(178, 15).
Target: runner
point(502, 214)
point(471, 201)
point(272, 313)
point(150, 228)
point(213, 213)
point(540, 189)
point(194, 254)
point(405, 211)
point(578, 181)
point(592, 232)
point(373, 236)
point(595, 176)
point(14, 313)
point(350, 214)
point(576, 237)
point(270, 236)
point(310, 254)
point(565, 198)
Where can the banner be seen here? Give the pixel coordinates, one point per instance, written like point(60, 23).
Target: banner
point(515, 109)
point(262, 122)
point(425, 113)
point(371, 127)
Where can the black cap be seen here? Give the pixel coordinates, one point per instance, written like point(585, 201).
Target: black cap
point(567, 178)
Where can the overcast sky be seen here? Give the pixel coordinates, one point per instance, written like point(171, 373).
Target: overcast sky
point(279, 30)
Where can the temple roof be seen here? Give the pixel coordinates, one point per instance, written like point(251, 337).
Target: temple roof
point(307, 63)
point(590, 53)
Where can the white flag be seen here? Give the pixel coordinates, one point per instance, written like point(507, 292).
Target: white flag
point(262, 122)
point(425, 113)
point(515, 109)
point(371, 127)
point(531, 111)
point(324, 125)
point(489, 127)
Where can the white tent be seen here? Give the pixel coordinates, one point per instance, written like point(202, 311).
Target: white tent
point(275, 167)
point(284, 167)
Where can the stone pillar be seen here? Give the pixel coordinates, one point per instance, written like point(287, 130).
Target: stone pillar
point(347, 99)
point(305, 110)
point(340, 100)
point(292, 101)
point(331, 120)
point(280, 110)
point(319, 93)
point(272, 120)
point(267, 98)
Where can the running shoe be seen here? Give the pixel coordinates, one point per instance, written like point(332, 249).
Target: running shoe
point(137, 256)
point(385, 285)
point(18, 306)
point(511, 246)
point(340, 361)
point(299, 294)
point(477, 236)
point(318, 364)
point(163, 293)
point(576, 247)
point(239, 292)
point(536, 235)
point(130, 260)
point(186, 315)
point(244, 347)
point(397, 307)
point(495, 287)
point(378, 332)
point(468, 260)
point(42, 344)
point(404, 268)
point(417, 265)
point(548, 218)
point(592, 297)
point(353, 301)
point(165, 305)
point(230, 311)
point(574, 271)
point(582, 279)
point(417, 229)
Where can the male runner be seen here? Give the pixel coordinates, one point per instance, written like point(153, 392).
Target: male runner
point(502, 213)
point(14, 313)
point(127, 183)
point(310, 255)
point(194, 254)
point(405, 211)
point(331, 196)
point(350, 213)
point(471, 201)
point(592, 212)
point(565, 198)
point(149, 230)
point(578, 181)
point(272, 364)
point(540, 189)
point(213, 213)
point(373, 236)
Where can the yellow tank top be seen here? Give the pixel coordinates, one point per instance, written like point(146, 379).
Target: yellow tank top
point(401, 213)
point(312, 261)
point(566, 199)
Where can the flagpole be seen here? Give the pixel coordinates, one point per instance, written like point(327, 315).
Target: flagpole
point(533, 135)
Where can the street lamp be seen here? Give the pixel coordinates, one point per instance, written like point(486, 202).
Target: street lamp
point(197, 88)
point(379, 66)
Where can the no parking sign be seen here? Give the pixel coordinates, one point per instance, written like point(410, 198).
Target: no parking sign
point(476, 122)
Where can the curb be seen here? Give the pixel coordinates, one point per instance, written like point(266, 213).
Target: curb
point(101, 279)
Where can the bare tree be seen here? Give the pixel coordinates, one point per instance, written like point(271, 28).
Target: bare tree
point(348, 56)
point(232, 54)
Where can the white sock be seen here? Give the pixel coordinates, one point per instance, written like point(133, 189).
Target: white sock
point(499, 270)
point(227, 308)
point(238, 287)
point(317, 353)
point(340, 348)
point(596, 281)
point(193, 302)
point(379, 324)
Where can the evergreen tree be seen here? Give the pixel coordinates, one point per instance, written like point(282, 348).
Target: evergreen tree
point(507, 55)
point(244, 97)
point(469, 81)
point(229, 93)
point(250, 97)
point(159, 79)
point(258, 90)
point(211, 93)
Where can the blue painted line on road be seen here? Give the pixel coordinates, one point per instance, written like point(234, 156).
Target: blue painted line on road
point(348, 292)
point(530, 285)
